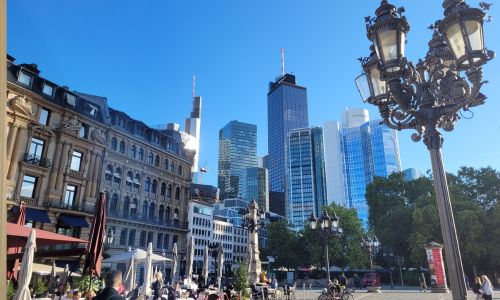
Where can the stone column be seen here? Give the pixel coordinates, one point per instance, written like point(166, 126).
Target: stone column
point(95, 176)
point(253, 244)
point(55, 165)
point(14, 161)
point(90, 174)
point(62, 166)
point(11, 140)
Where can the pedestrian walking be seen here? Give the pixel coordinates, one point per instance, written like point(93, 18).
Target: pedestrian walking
point(487, 288)
point(477, 287)
point(423, 283)
point(157, 286)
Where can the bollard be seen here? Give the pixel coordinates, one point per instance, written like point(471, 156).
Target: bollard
point(304, 291)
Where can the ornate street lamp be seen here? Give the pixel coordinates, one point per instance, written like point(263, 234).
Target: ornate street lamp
point(253, 221)
point(430, 95)
point(329, 227)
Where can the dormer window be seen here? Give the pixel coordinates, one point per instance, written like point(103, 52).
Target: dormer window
point(48, 90)
point(70, 99)
point(92, 110)
point(25, 78)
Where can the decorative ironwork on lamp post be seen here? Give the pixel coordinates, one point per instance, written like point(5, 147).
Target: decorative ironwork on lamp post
point(329, 227)
point(430, 95)
point(253, 221)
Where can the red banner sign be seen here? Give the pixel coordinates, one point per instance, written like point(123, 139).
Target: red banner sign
point(436, 267)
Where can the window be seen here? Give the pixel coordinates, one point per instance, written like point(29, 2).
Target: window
point(82, 132)
point(48, 89)
point(150, 158)
point(36, 150)
point(25, 78)
point(179, 170)
point(159, 240)
point(165, 164)
point(113, 144)
point(122, 147)
point(132, 151)
point(142, 239)
point(28, 186)
point(145, 209)
point(141, 154)
point(152, 211)
point(76, 161)
point(165, 241)
point(70, 195)
point(163, 190)
point(92, 109)
point(44, 116)
point(126, 207)
point(117, 176)
point(161, 213)
point(123, 236)
point(131, 238)
point(169, 191)
point(137, 181)
point(147, 184)
point(174, 239)
point(154, 187)
point(157, 161)
point(108, 174)
point(128, 180)
point(134, 208)
point(177, 193)
point(172, 167)
point(70, 99)
point(150, 237)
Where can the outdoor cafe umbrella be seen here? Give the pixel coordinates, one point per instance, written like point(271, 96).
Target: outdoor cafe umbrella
point(64, 278)
point(174, 263)
point(130, 276)
point(17, 235)
point(21, 220)
point(205, 265)
point(146, 286)
point(23, 290)
point(189, 258)
point(93, 253)
point(220, 264)
point(138, 254)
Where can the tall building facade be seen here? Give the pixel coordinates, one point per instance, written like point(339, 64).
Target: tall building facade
point(257, 186)
point(357, 151)
point(286, 110)
point(193, 130)
point(237, 152)
point(306, 175)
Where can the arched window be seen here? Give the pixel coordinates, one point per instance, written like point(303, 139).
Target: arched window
point(137, 181)
point(167, 214)
point(132, 151)
point(129, 180)
point(161, 213)
point(108, 174)
point(113, 208)
point(157, 161)
point(117, 176)
point(126, 207)
point(140, 154)
point(145, 209)
point(154, 186)
point(142, 239)
point(177, 193)
point(169, 191)
point(163, 189)
point(179, 170)
point(122, 147)
point(176, 215)
point(165, 164)
point(172, 167)
point(150, 158)
point(147, 184)
point(134, 208)
point(113, 144)
point(151, 211)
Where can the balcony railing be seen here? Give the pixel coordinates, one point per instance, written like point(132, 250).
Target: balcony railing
point(86, 208)
point(76, 173)
point(146, 220)
point(36, 160)
point(28, 201)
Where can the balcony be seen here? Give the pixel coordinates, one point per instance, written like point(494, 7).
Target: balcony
point(76, 173)
point(141, 219)
point(86, 208)
point(28, 201)
point(36, 160)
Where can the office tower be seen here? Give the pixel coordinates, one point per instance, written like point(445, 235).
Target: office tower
point(306, 175)
point(412, 174)
point(286, 110)
point(358, 151)
point(334, 163)
point(237, 152)
point(193, 129)
point(257, 186)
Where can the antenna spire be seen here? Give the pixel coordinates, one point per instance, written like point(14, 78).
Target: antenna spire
point(194, 86)
point(282, 62)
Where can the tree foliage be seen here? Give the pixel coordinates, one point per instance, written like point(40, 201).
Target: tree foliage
point(241, 280)
point(404, 216)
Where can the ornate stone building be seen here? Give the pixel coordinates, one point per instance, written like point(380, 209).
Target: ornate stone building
point(55, 144)
point(147, 177)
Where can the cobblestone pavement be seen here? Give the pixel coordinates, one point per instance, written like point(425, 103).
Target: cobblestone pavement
point(401, 294)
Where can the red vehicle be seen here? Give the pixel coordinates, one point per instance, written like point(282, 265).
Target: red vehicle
point(370, 279)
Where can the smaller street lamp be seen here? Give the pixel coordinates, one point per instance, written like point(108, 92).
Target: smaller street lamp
point(329, 227)
point(372, 244)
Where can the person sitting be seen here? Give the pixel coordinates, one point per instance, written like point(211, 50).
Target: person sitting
point(112, 280)
point(263, 278)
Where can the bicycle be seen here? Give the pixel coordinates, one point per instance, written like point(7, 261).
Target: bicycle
point(332, 294)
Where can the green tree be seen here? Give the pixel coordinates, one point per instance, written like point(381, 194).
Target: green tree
point(282, 243)
point(87, 282)
point(241, 280)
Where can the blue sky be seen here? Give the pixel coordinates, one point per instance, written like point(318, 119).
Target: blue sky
point(142, 55)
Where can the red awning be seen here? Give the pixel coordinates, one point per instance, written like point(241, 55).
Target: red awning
point(17, 235)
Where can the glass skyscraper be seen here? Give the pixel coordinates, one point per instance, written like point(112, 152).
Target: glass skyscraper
point(306, 175)
point(237, 152)
point(257, 186)
point(286, 110)
point(365, 149)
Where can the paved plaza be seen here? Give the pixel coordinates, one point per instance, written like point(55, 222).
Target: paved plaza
point(397, 294)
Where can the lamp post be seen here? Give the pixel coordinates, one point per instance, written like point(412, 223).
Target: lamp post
point(371, 243)
point(430, 95)
point(329, 227)
point(253, 220)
